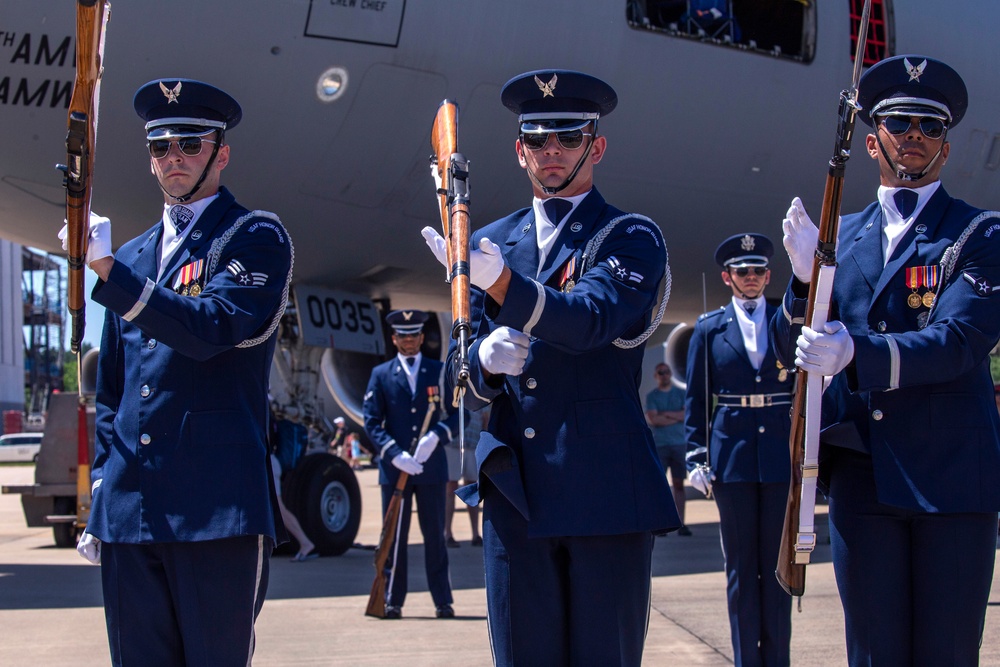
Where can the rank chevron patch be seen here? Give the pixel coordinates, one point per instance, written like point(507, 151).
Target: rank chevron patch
point(244, 277)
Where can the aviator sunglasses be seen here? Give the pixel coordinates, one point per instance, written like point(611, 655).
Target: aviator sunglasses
point(743, 271)
point(932, 128)
point(189, 146)
point(569, 140)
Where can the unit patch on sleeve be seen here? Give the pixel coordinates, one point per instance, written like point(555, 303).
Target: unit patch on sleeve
point(262, 224)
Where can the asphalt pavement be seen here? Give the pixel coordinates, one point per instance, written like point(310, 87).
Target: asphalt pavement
point(51, 606)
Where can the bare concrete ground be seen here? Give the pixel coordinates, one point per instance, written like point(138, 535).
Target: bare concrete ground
point(51, 614)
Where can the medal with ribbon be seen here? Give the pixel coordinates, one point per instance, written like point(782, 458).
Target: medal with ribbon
point(188, 278)
point(930, 281)
point(567, 279)
point(921, 276)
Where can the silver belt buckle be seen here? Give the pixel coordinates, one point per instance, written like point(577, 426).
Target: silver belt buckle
point(756, 400)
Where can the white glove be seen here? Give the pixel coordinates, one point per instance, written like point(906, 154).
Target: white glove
point(504, 351)
point(426, 447)
point(99, 244)
point(826, 352)
point(701, 478)
point(90, 548)
point(485, 263)
point(407, 464)
point(800, 239)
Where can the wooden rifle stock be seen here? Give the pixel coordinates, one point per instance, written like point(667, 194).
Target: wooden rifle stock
point(453, 200)
point(390, 523)
point(798, 536)
point(91, 20)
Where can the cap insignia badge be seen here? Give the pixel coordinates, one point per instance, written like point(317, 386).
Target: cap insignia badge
point(407, 315)
point(747, 242)
point(915, 72)
point(171, 93)
point(548, 89)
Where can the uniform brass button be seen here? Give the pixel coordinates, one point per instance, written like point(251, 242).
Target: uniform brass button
point(413, 409)
point(144, 390)
point(757, 379)
point(881, 327)
point(151, 344)
point(145, 439)
point(529, 433)
point(877, 415)
point(531, 383)
point(760, 429)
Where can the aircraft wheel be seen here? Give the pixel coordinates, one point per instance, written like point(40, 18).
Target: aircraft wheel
point(326, 499)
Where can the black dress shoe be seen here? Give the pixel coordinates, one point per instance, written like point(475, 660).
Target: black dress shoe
point(477, 541)
point(685, 531)
point(393, 612)
point(451, 543)
point(445, 611)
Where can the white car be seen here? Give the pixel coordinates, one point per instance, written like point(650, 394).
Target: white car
point(20, 447)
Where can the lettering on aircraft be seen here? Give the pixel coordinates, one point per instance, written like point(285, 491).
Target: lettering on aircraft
point(37, 50)
point(344, 321)
point(366, 21)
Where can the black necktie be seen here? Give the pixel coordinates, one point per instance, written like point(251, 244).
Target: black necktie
point(750, 306)
point(181, 216)
point(906, 202)
point(556, 209)
point(411, 361)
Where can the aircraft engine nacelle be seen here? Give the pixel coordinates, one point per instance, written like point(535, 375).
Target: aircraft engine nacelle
point(675, 351)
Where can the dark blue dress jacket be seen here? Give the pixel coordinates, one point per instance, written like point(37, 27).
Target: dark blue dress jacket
point(394, 418)
point(918, 395)
point(567, 441)
point(747, 444)
point(181, 451)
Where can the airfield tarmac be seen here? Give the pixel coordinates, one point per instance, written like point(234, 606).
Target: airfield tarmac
point(51, 613)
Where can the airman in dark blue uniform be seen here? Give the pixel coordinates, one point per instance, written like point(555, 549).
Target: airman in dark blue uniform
point(408, 431)
point(183, 515)
point(572, 487)
point(730, 359)
point(911, 442)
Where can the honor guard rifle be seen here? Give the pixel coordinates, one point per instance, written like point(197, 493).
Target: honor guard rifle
point(391, 521)
point(798, 537)
point(451, 174)
point(81, 140)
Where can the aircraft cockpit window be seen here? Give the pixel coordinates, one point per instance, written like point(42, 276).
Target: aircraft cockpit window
point(778, 28)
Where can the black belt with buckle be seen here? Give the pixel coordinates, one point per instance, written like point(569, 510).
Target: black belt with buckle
point(754, 400)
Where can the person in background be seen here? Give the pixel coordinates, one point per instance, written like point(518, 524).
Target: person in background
point(665, 416)
point(729, 357)
point(396, 407)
